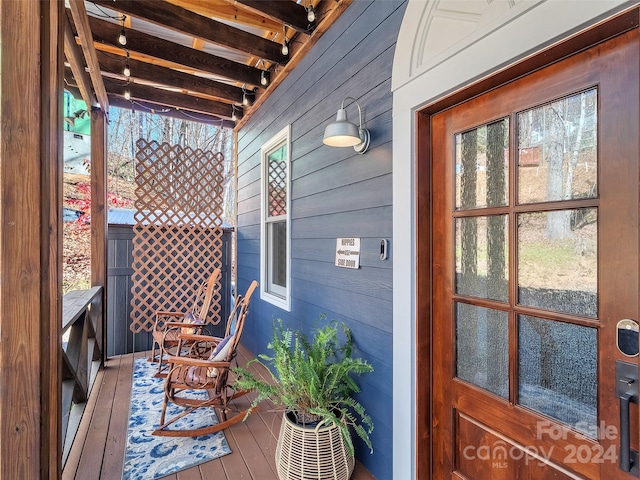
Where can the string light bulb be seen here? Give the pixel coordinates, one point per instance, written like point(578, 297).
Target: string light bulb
point(311, 15)
point(285, 47)
point(122, 38)
point(127, 71)
point(127, 94)
point(263, 79)
point(233, 113)
point(245, 100)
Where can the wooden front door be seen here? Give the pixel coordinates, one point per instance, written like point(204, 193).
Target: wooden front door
point(534, 263)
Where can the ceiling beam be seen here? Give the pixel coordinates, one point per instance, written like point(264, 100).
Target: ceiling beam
point(227, 10)
point(183, 114)
point(283, 12)
point(187, 22)
point(81, 22)
point(172, 78)
point(161, 96)
point(328, 11)
point(73, 52)
point(107, 33)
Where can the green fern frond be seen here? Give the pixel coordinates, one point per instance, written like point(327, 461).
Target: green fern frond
point(313, 375)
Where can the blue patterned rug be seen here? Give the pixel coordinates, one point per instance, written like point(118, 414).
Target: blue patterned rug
point(147, 456)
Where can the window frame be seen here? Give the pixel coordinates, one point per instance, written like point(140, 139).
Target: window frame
point(275, 294)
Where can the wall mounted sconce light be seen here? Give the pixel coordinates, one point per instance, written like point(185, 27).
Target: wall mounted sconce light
point(343, 133)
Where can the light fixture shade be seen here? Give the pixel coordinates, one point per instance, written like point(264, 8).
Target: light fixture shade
point(341, 133)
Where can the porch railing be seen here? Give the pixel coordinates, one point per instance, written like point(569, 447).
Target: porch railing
point(81, 356)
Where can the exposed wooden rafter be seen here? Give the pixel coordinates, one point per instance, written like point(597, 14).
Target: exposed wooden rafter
point(285, 13)
point(230, 11)
point(106, 33)
point(328, 11)
point(81, 21)
point(169, 98)
point(190, 58)
point(181, 113)
point(168, 77)
point(73, 52)
point(185, 21)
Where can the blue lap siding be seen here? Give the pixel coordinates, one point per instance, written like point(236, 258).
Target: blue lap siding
point(334, 193)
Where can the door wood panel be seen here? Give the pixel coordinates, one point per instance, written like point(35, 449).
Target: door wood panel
point(466, 416)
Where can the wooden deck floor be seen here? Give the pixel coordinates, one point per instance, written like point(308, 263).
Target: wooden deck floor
point(98, 450)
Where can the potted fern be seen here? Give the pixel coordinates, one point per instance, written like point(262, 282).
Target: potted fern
point(312, 378)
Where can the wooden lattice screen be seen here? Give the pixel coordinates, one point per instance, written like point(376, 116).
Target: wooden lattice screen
point(178, 231)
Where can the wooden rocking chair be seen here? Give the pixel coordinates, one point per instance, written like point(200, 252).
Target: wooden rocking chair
point(213, 374)
point(168, 325)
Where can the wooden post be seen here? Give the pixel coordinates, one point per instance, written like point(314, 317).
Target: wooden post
point(30, 234)
point(99, 215)
point(52, 21)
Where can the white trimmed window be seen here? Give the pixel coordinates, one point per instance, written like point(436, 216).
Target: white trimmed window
point(275, 245)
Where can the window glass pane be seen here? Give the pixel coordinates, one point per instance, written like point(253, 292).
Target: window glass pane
point(277, 182)
point(482, 348)
point(482, 257)
point(557, 150)
point(558, 261)
point(278, 274)
point(557, 371)
point(482, 162)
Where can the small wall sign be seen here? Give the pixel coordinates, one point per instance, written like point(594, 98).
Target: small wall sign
point(348, 252)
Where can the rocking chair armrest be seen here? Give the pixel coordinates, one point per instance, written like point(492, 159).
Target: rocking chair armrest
point(194, 337)
point(159, 318)
point(197, 362)
point(161, 313)
point(182, 325)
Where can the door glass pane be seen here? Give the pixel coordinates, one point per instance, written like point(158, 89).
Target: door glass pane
point(557, 366)
point(482, 257)
point(482, 162)
point(482, 348)
point(557, 150)
point(558, 261)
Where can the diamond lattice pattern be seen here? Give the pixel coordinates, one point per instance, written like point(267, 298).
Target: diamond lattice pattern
point(277, 188)
point(178, 231)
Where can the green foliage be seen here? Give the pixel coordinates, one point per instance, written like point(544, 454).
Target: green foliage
point(313, 378)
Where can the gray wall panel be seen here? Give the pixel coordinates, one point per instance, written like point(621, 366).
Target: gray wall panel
point(334, 193)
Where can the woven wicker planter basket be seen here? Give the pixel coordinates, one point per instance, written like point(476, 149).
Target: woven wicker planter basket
point(307, 453)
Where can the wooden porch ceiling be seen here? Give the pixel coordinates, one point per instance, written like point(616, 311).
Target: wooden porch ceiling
point(189, 58)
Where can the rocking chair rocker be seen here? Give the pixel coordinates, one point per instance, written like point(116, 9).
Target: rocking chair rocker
point(213, 374)
point(168, 325)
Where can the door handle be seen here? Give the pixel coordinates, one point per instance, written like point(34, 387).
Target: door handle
point(625, 439)
point(627, 392)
